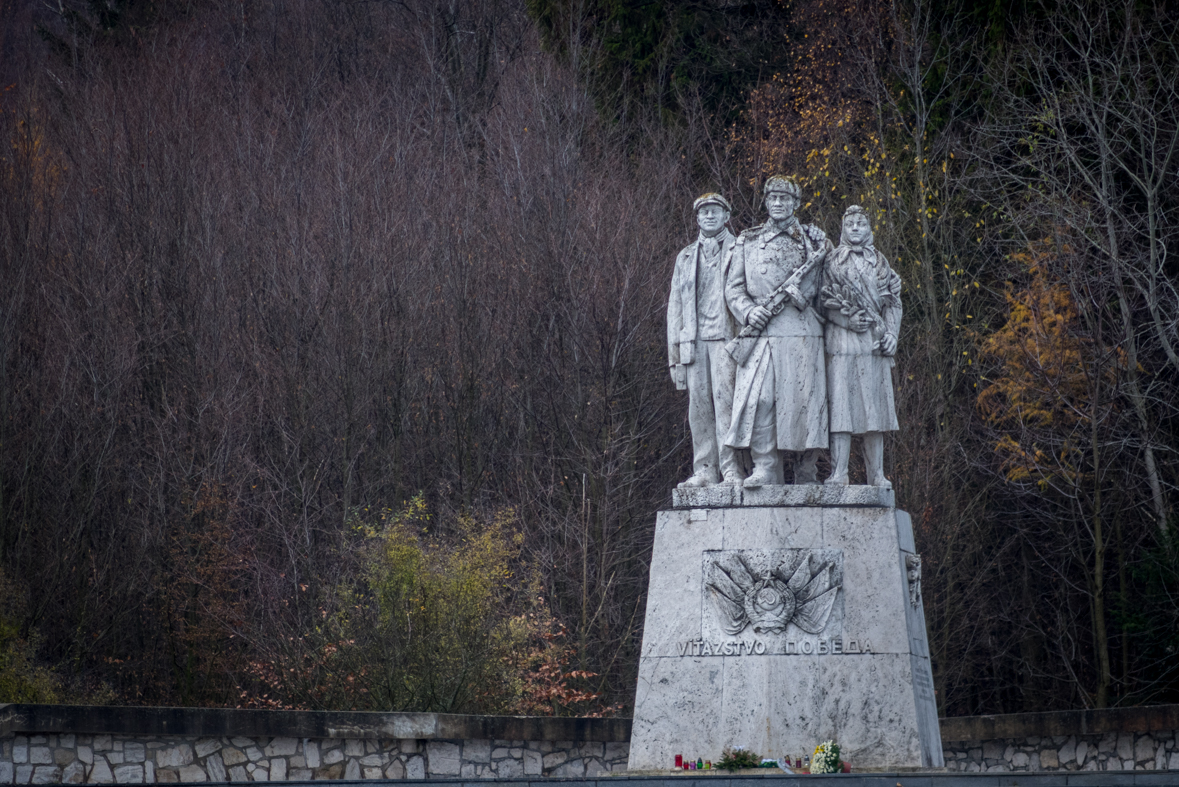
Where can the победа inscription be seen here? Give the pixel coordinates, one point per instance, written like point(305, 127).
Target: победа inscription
point(756, 647)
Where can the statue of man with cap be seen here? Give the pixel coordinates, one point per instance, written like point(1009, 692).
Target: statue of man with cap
point(698, 326)
point(780, 396)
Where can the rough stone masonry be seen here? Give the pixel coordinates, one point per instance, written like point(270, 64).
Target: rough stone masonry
point(122, 759)
point(47, 744)
point(50, 744)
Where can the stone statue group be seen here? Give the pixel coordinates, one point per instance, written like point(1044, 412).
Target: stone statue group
point(784, 343)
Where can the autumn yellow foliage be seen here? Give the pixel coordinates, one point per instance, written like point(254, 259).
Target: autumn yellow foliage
point(1049, 375)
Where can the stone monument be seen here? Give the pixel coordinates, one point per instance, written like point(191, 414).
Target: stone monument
point(781, 616)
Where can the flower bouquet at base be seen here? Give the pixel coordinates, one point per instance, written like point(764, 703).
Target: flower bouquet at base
point(826, 759)
point(735, 758)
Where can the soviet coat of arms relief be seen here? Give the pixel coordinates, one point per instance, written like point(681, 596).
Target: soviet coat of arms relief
point(779, 596)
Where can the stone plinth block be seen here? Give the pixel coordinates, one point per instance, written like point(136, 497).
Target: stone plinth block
point(777, 627)
point(723, 496)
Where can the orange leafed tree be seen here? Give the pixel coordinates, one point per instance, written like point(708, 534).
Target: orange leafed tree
point(1054, 405)
point(548, 686)
point(1048, 369)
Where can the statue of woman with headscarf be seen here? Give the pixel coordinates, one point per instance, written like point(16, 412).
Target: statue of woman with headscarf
point(861, 299)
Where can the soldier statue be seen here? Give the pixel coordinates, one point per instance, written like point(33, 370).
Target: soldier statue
point(698, 326)
point(861, 299)
point(780, 395)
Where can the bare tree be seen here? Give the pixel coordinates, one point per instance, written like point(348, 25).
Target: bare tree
point(1075, 152)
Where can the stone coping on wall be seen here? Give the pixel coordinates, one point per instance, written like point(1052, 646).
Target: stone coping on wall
point(1147, 718)
point(214, 722)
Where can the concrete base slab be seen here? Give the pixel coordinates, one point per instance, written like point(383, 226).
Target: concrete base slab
point(877, 779)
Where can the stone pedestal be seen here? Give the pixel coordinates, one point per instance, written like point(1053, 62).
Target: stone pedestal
point(780, 618)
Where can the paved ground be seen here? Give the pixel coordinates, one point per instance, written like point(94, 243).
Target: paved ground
point(1057, 779)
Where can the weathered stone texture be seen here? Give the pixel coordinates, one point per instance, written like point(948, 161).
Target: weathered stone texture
point(857, 672)
point(1143, 751)
point(783, 495)
point(106, 759)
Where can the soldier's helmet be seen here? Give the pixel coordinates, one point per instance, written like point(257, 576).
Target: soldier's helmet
point(711, 198)
point(783, 183)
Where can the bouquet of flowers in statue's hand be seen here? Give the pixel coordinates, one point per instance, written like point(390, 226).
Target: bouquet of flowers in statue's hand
point(826, 759)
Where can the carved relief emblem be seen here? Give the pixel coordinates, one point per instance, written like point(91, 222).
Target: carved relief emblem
point(913, 574)
point(767, 591)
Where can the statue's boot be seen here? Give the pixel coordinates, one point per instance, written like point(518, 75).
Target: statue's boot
point(806, 467)
point(731, 471)
point(840, 453)
point(874, 459)
point(702, 478)
point(767, 468)
point(733, 478)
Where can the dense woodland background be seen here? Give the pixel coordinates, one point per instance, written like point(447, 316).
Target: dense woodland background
point(332, 357)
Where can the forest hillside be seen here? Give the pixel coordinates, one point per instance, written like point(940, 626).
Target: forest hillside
point(333, 365)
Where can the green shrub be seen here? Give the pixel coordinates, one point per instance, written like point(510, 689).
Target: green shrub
point(22, 679)
point(442, 637)
point(434, 619)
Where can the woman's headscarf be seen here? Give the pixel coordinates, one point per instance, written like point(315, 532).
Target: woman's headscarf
point(867, 246)
point(845, 283)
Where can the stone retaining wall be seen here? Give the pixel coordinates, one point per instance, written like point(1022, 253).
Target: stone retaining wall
point(1119, 739)
point(48, 744)
point(73, 745)
point(1109, 752)
point(120, 759)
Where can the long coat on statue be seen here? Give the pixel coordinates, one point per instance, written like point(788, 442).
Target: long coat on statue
point(792, 342)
